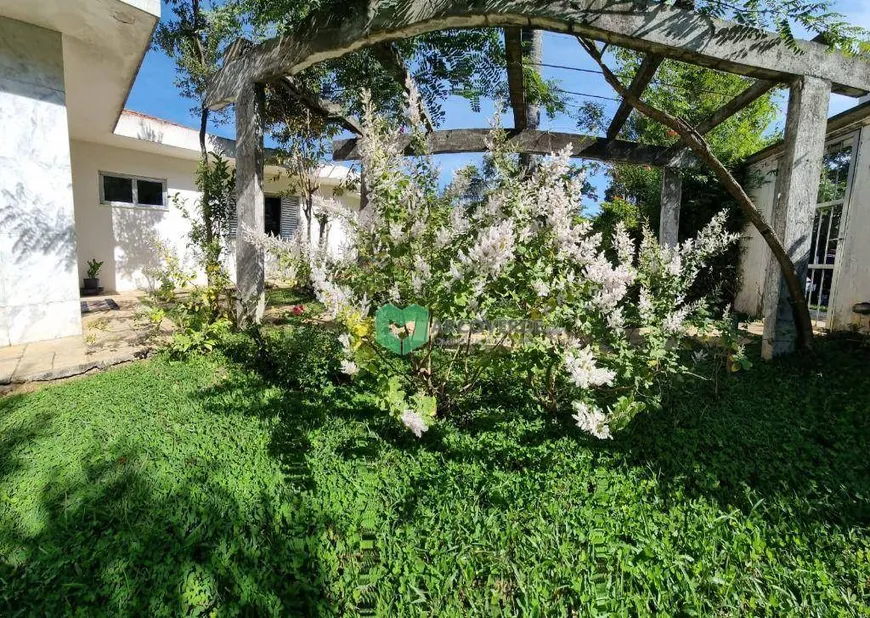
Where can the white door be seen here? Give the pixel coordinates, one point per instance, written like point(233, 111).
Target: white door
point(829, 226)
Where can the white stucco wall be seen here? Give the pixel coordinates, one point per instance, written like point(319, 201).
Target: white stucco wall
point(852, 272)
point(852, 282)
point(39, 296)
point(123, 237)
point(755, 254)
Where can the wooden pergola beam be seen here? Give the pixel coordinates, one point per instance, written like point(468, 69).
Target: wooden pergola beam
point(642, 25)
point(794, 208)
point(736, 105)
point(513, 47)
point(319, 105)
point(389, 57)
point(721, 115)
point(645, 74)
point(529, 141)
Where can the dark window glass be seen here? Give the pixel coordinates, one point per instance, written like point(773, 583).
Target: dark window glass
point(273, 216)
point(835, 173)
point(117, 189)
point(150, 193)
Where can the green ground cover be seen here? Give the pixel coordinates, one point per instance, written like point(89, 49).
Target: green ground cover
point(214, 487)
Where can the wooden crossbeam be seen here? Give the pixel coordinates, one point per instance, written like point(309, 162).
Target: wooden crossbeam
point(529, 141)
point(319, 105)
point(645, 74)
point(721, 115)
point(736, 105)
point(642, 25)
point(389, 57)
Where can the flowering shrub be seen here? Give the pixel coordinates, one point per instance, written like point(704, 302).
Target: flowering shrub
point(610, 321)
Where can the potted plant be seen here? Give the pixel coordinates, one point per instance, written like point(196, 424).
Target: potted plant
point(92, 281)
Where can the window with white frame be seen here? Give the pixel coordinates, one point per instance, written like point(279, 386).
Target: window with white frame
point(124, 190)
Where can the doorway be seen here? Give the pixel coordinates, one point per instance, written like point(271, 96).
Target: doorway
point(829, 227)
point(272, 218)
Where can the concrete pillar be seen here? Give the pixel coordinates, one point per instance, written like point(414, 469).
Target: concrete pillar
point(250, 204)
point(672, 197)
point(39, 285)
point(794, 205)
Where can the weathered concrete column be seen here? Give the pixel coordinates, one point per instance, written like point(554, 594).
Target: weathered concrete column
point(250, 204)
point(794, 206)
point(672, 197)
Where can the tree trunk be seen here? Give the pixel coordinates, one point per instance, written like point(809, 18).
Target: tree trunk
point(309, 215)
point(533, 53)
point(696, 142)
point(323, 222)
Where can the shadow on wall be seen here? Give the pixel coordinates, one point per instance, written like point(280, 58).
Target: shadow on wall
point(136, 246)
point(37, 231)
point(149, 133)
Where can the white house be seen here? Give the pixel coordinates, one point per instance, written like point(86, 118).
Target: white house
point(80, 177)
point(839, 267)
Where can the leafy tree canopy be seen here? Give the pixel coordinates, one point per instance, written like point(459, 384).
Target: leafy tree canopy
point(469, 63)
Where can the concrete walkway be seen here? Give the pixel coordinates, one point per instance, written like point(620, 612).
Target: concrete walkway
point(110, 337)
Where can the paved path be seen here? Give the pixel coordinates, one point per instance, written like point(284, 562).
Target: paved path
point(109, 338)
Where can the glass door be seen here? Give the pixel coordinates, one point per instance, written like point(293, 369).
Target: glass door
point(828, 226)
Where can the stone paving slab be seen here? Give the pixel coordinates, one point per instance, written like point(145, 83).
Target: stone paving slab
point(109, 338)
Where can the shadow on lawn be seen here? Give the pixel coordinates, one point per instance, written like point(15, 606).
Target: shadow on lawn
point(788, 439)
point(784, 440)
point(791, 433)
point(117, 532)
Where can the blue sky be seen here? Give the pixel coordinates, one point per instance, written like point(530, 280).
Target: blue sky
point(154, 92)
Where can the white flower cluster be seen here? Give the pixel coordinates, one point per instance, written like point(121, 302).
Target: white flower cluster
point(414, 422)
point(613, 282)
point(493, 251)
point(673, 323)
point(583, 370)
point(285, 258)
point(592, 420)
point(337, 299)
point(348, 366)
point(624, 244)
point(713, 238)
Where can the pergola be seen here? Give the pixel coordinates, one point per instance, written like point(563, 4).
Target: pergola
point(656, 30)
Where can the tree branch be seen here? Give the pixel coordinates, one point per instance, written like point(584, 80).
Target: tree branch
point(696, 142)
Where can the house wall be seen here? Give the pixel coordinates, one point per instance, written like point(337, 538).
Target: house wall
point(277, 183)
point(852, 284)
point(852, 274)
point(754, 252)
point(39, 296)
point(124, 236)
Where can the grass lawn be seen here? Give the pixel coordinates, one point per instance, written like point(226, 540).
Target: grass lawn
point(199, 488)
